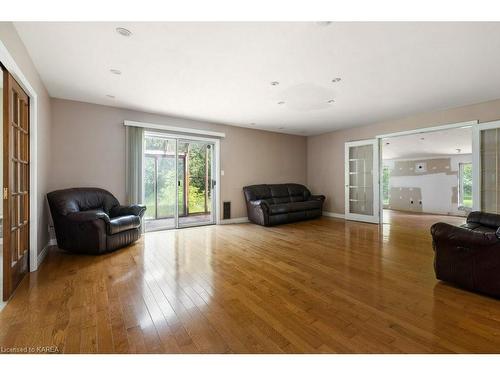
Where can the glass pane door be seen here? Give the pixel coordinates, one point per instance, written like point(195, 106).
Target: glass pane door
point(486, 167)
point(159, 182)
point(361, 181)
point(196, 183)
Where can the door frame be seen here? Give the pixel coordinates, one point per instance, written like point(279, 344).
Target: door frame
point(9, 63)
point(476, 161)
point(375, 172)
point(216, 175)
point(464, 124)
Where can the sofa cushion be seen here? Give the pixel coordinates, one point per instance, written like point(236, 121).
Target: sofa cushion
point(122, 223)
point(283, 208)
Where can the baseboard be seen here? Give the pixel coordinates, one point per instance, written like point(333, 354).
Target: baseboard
point(333, 214)
point(45, 250)
point(236, 220)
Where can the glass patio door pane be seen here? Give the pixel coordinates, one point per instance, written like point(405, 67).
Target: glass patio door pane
point(195, 183)
point(361, 180)
point(159, 182)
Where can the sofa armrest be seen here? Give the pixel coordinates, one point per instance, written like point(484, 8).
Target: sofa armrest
point(319, 197)
point(134, 209)
point(260, 203)
point(87, 216)
point(462, 237)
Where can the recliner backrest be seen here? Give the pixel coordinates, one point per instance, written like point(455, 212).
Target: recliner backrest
point(66, 201)
point(277, 193)
point(485, 219)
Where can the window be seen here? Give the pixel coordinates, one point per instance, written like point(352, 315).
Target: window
point(465, 185)
point(386, 175)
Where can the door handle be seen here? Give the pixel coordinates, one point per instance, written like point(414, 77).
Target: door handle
point(5, 193)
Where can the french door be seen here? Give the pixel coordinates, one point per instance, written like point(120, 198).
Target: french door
point(486, 167)
point(361, 181)
point(16, 195)
point(179, 182)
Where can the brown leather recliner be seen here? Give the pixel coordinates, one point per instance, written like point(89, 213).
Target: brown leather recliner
point(281, 203)
point(92, 221)
point(469, 255)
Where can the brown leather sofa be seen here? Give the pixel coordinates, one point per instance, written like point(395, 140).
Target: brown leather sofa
point(92, 221)
point(469, 255)
point(281, 203)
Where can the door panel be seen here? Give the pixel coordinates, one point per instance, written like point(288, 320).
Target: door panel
point(197, 183)
point(159, 182)
point(16, 185)
point(361, 181)
point(485, 167)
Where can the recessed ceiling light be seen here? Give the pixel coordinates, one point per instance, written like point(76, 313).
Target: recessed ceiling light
point(275, 83)
point(123, 31)
point(331, 101)
point(110, 96)
point(115, 71)
point(281, 103)
point(338, 79)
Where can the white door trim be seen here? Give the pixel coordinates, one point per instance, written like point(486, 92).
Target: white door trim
point(10, 64)
point(375, 172)
point(464, 124)
point(476, 161)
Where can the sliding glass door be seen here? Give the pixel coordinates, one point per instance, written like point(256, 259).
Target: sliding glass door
point(196, 206)
point(178, 182)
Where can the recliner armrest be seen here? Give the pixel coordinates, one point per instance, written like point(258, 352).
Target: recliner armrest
point(134, 209)
point(463, 237)
point(86, 216)
point(318, 197)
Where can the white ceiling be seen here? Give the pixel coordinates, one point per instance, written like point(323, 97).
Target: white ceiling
point(221, 72)
point(431, 144)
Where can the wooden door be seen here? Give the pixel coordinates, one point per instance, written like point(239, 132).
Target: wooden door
point(15, 185)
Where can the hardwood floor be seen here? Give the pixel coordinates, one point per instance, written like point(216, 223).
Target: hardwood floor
point(322, 286)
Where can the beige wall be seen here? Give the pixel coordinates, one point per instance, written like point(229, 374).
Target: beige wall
point(325, 153)
point(15, 46)
point(88, 143)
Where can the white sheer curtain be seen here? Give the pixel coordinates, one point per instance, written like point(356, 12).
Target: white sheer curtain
point(134, 167)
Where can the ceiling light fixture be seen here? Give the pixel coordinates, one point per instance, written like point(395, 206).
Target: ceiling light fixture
point(110, 96)
point(281, 103)
point(123, 31)
point(275, 83)
point(115, 71)
point(335, 80)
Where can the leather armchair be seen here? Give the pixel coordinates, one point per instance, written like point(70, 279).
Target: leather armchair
point(469, 255)
point(91, 220)
point(281, 203)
